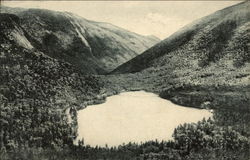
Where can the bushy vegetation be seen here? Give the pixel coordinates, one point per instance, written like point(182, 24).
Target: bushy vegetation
point(35, 91)
point(204, 140)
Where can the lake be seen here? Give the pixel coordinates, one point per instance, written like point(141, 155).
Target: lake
point(133, 117)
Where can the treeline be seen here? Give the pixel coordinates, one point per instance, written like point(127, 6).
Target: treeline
point(209, 96)
point(202, 140)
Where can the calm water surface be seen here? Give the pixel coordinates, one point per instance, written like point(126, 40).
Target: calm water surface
point(133, 117)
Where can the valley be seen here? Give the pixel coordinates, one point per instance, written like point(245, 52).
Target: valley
point(55, 64)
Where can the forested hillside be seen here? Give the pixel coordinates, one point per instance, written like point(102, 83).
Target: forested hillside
point(35, 91)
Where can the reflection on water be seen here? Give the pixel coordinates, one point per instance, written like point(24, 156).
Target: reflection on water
point(133, 117)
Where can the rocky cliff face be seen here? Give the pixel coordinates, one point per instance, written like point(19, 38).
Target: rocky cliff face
point(94, 47)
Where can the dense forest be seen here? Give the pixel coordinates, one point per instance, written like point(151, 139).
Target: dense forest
point(204, 140)
point(35, 92)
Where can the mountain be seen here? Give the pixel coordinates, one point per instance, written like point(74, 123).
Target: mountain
point(94, 47)
point(220, 39)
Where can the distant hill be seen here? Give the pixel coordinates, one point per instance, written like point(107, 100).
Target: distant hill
point(221, 39)
point(94, 47)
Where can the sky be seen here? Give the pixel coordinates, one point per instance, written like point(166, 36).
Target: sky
point(158, 18)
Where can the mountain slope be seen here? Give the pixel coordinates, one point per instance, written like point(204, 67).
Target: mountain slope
point(35, 91)
point(206, 62)
point(93, 47)
point(220, 38)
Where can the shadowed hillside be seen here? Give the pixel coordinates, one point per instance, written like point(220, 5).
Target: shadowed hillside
point(93, 47)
